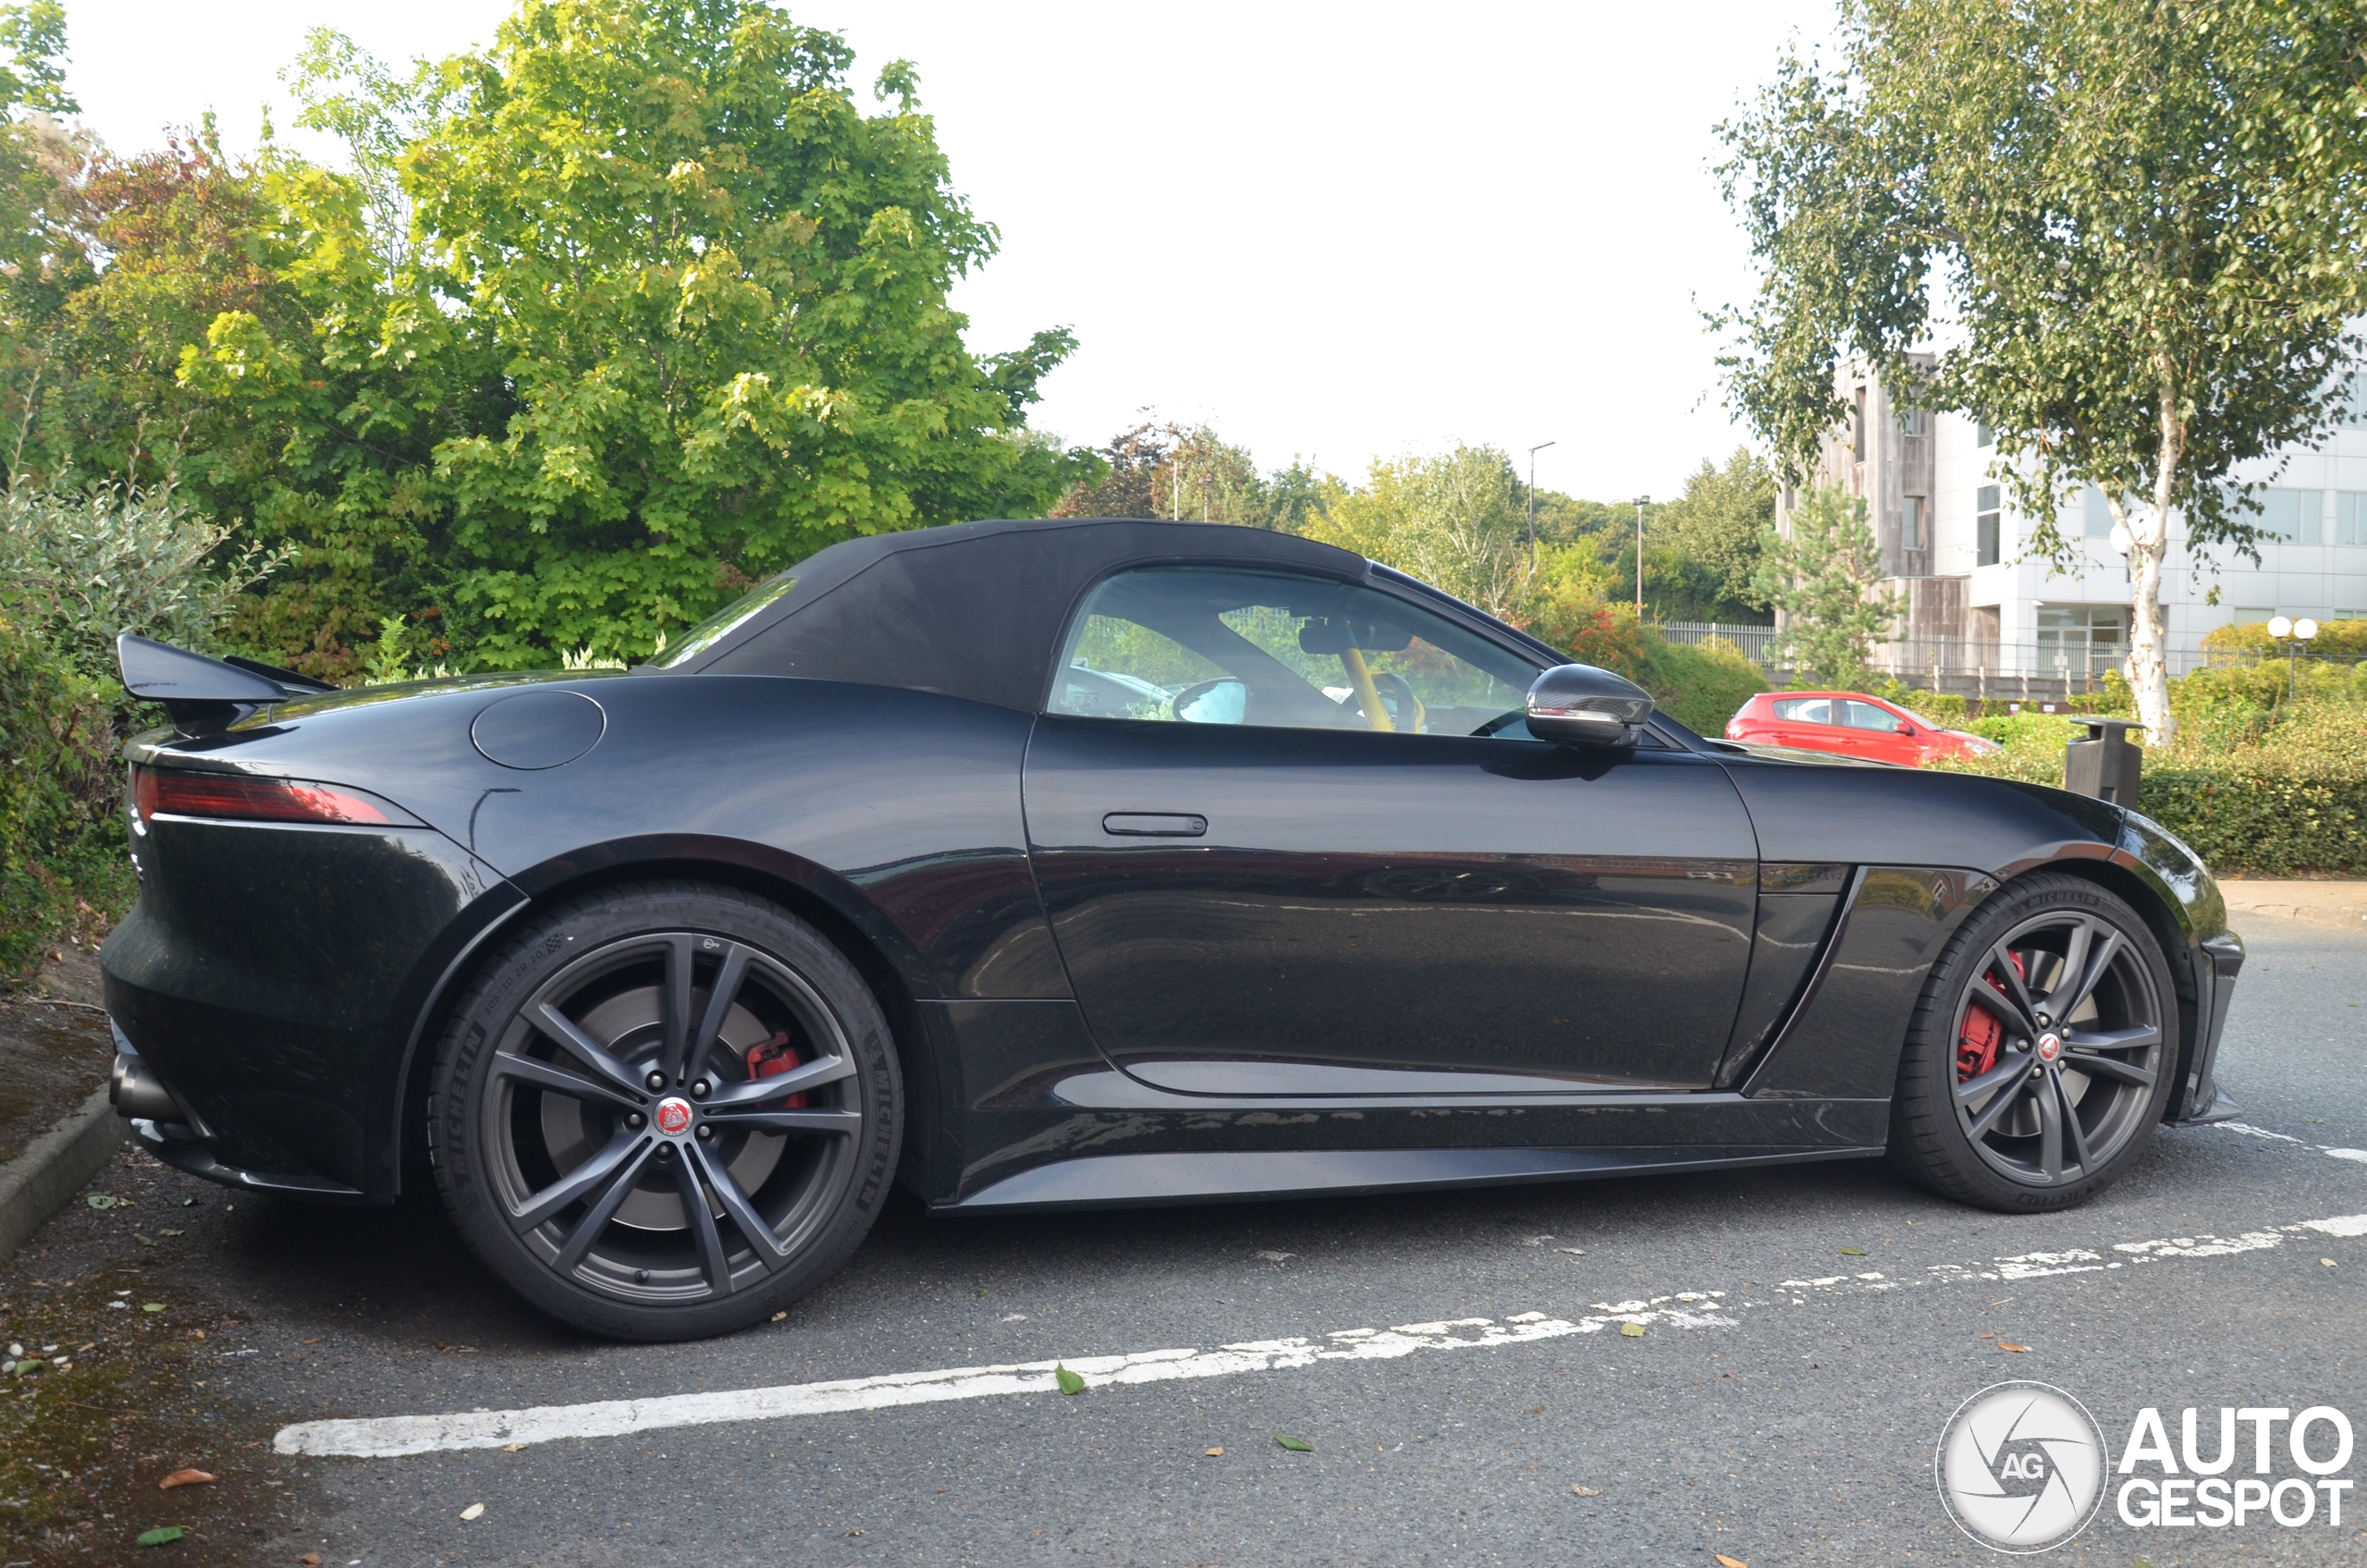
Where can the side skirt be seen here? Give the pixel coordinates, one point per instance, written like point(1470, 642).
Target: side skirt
point(1143, 1181)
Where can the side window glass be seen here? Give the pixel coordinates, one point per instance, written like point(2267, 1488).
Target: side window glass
point(1864, 716)
point(1803, 710)
point(1211, 645)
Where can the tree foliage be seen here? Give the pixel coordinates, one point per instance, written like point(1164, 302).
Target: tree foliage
point(1454, 520)
point(1823, 578)
point(2135, 228)
point(597, 326)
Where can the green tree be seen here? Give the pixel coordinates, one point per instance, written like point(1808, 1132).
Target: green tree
point(2143, 221)
point(1454, 520)
point(714, 290)
point(1714, 528)
point(1823, 579)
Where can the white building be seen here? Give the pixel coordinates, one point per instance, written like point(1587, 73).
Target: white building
point(1978, 613)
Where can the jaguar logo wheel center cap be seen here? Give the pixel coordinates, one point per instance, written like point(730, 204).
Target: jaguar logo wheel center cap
point(673, 1116)
point(2050, 1047)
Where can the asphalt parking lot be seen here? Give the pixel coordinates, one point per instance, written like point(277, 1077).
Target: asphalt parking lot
point(1456, 1364)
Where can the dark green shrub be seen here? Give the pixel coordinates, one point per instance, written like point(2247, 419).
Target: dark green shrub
point(61, 843)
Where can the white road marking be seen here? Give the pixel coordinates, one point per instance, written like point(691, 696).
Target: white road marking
point(392, 1437)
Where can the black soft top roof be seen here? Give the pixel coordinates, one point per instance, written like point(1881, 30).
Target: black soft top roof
point(975, 609)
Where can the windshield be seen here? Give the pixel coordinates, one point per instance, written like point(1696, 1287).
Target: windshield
point(723, 622)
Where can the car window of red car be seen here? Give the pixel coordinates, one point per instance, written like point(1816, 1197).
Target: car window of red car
point(1803, 710)
point(1866, 716)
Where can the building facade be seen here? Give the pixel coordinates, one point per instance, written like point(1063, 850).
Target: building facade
point(1980, 616)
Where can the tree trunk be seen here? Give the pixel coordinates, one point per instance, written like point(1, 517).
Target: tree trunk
point(2149, 671)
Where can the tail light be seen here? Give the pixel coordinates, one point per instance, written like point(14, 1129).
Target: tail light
point(238, 797)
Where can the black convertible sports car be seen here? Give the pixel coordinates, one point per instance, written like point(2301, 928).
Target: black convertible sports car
point(1114, 862)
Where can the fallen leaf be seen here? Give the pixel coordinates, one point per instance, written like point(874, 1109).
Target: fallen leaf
point(1573, 1252)
point(314, 1341)
point(105, 1200)
point(1846, 1252)
point(1632, 1330)
point(2327, 1261)
point(852, 1534)
point(2003, 1345)
point(144, 1241)
point(164, 1534)
point(1727, 1562)
point(782, 1317)
point(1213, 1452)
point(198, 1333)
point(185, 1478)
point(473, 1511)
point(1069, 1381)
point(310, 1560)
point(1296, 1445)
point(1536, 1410)
point(151, 1306)
point(172, 1232)
point(511, 1448)
point(1988, 1336)
point(1585, 1491)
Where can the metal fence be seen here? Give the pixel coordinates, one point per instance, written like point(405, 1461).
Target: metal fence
point(1756, 643)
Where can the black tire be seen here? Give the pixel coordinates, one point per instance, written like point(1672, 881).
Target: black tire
point(2027, 1084)
point(559, 1154)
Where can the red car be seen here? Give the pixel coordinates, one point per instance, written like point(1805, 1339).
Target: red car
point(1849, 724)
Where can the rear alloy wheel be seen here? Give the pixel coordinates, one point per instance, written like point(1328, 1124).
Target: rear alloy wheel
point(2041, 1054)
point(665, 1113)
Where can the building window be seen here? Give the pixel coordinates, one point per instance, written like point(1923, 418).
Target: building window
point(1911, 524)
point(1983, 435)
point(2350, 518)
point(1857, 428)
point(1915, 422)
point(2297, 517)
point(2247, 614)
point(1987, 516)
point(2079, 639)
point(2096, 514)
point(2354, 407)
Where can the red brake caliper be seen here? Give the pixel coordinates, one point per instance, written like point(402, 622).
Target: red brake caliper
point(770, 1059)
point(1977, 1046)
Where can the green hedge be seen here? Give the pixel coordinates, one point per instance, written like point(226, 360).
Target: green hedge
point(62, 862)
point(2270, 791)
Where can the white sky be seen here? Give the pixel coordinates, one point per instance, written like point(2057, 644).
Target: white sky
point(1336, 230)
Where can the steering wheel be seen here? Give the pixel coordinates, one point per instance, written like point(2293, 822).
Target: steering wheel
point(1410, 711)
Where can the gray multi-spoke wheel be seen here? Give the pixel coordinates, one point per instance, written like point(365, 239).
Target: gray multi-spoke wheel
point(2041, 1053)
point(666, 1111)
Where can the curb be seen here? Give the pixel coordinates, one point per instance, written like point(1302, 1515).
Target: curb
point(2339, 904)
point(43, 1179)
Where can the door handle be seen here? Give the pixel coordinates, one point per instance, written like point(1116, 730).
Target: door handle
point(1155, 825)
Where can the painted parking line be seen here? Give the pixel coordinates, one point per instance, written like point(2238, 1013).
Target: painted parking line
point(393, 1437)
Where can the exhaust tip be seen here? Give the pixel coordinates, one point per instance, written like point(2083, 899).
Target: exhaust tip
point(137, 1093)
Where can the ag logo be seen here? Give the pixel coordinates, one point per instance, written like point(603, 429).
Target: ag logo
point(2021, 1467)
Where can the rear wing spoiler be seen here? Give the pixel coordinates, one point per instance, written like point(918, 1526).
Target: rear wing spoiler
point(203, 694)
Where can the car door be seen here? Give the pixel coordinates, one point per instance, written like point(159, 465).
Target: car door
point(1806, 722)
point(1333, 862)
point(1873, 733)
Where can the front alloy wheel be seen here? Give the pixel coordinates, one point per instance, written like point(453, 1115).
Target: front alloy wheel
point(2041, 1053)
point(666, 1112)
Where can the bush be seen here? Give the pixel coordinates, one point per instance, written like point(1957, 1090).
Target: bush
point(2333, 637)
point(2256, 783)
point(77, 568)
point(1701, 684)
point(61, 841)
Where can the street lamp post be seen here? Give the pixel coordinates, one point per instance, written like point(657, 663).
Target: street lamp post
point(1532, 504)
point(1641, 502)
point(2296, 635)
